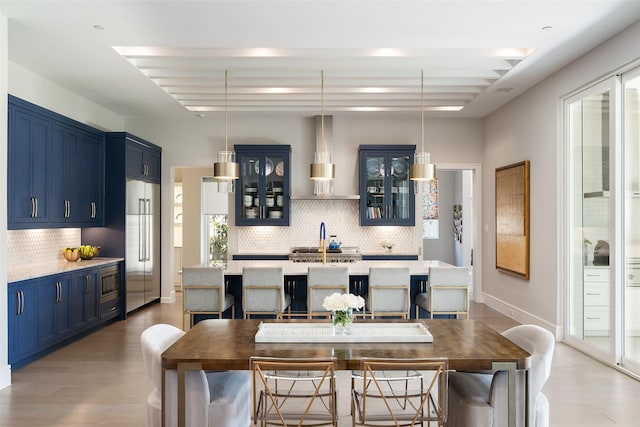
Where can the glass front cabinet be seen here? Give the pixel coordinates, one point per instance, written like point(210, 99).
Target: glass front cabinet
point(262, 196)
point(386, 193)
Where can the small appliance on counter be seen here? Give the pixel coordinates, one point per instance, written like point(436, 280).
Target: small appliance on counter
point(601, 253)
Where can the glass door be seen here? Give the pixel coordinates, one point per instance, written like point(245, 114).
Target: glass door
point(589, 128)
point(631, 292)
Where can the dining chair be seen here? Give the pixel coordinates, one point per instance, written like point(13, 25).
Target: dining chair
point(294, 392)
point(388, 293)
point(400, 392)
point(322, 282)
point(213, 399)
point(263, 292)
point(480, 399)
point(447, 292)
point(204, 292)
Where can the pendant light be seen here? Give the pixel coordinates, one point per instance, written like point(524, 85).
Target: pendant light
point(422, 170)
point(225, 170)
point(322, 170)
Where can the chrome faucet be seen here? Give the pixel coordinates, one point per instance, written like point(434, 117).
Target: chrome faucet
point(323, 242)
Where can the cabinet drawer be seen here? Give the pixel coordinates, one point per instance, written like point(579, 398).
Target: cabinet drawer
point(596, 293)
point(596, 318)
point(109, 309)
point(596, 274)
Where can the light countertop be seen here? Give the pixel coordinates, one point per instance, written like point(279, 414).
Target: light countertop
point(358, 268)
point(15, 274)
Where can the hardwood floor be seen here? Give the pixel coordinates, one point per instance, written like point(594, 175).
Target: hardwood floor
point(100, 380)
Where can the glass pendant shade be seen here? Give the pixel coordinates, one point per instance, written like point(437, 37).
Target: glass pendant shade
point(422, 171)
point(225, 171)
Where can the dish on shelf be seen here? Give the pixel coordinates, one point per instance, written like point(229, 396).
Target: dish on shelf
point(399, 168)
point(268, 167)
point(375, 167)
point(279, 169)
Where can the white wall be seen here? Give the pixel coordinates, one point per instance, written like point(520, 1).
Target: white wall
point(530, 128)
point(5, 372)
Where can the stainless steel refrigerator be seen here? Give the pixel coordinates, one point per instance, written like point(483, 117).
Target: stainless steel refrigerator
point(142, 256)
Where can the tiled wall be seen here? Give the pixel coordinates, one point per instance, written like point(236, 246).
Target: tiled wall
point(39, 246)
point(341, 218)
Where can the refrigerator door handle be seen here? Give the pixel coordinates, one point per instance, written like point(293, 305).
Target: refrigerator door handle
point(148, 230)
point(140, 229)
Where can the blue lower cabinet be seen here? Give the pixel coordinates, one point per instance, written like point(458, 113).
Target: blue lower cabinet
point(418, 285)
point(54, 314)
point(296, 287)
point(359, 285)
point(23, 311)
point(49, 312)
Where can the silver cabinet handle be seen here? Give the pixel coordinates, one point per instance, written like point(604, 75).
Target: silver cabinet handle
point(93, 210)
point(22, 299)
point(87, 283)
point(36, 216)
point(33, 207)
point(114, 308)
point(19, 301)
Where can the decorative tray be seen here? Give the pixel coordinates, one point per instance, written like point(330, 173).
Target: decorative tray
point(309, 332)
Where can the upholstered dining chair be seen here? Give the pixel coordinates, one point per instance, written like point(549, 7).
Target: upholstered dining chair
point(447, 292)
point(388, 293)
point(322, 282)
point(294, 392)
point(263, 292)
point(399, 392)
point(213, 399)
point(480, 399)
point(204, 292)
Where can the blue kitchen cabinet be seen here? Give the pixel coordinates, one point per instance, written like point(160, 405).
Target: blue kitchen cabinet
point(386, 192)
point(90, 181)
point(22, 310)
point(55, 170)
point(263, 188)
point(28, 168)
point(142, 160)
point(64, 174)
point(85, 306)
point(54, 304)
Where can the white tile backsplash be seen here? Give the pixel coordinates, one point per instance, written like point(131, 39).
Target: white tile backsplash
point(39, 246)
point(341, 217)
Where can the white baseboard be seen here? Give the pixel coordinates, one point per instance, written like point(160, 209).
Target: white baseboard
point(168, 299)
point(520, 315)
point(5, 376)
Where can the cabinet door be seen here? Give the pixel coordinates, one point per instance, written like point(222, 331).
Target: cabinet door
point(386, 194)
point(262, 197)
point(28, 168)
point(90, 182)
point(65, 206)
point(85, 299)
point(54, 305)
point(23, 337)
point(135, 160)
point(152, 161)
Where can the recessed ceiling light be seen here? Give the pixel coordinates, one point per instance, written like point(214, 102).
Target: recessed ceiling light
point(98, 27)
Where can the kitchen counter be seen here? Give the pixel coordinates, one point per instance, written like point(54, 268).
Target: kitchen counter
point(358, 268)
point(16, 274)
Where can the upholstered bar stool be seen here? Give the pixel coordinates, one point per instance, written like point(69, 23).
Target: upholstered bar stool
point(321, 282)
point(389, 292)
point(204, 293)
point(263, 292)
point(447, 292)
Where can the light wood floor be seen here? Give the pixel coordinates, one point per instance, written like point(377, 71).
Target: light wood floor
point(100, 380)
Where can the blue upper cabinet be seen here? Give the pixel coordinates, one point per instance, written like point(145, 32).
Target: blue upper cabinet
point(28, 168)
point(263, 190)
point(143, 160)
point(386, 192)
point(55, 170)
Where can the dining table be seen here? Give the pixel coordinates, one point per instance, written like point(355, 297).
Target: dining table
point(229, 344)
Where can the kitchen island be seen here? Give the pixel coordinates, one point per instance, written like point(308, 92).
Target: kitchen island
point(295, 279)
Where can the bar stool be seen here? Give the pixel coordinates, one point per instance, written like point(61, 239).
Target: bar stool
point(204, 293)
point(389, 293)
point(321, 282)
point(263, 292)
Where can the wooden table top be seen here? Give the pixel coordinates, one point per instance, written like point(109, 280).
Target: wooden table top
point(225, 344)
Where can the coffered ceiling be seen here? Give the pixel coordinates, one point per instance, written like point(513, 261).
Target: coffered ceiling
point(168, 58)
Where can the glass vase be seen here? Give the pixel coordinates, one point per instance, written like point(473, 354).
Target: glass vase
point(342, 322)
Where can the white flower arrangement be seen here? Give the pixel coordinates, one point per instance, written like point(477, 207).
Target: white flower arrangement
point(342, 302)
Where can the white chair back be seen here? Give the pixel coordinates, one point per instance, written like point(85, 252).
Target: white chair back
point(389, 291)
point(263, 290)
point(324, 281)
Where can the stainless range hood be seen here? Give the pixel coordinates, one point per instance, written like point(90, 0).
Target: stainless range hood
point(328, 137)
